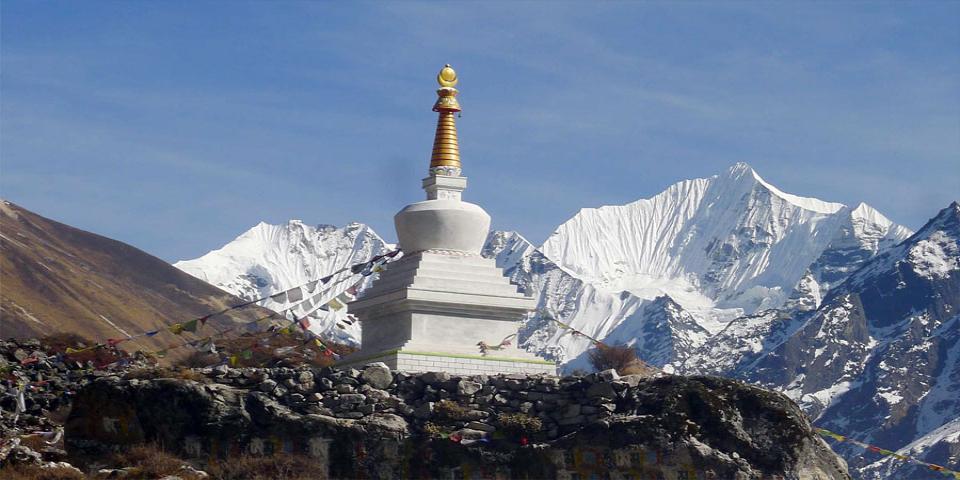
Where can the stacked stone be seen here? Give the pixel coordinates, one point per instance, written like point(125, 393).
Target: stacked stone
point(48, 383)
point(560, 404)
point(378, 423)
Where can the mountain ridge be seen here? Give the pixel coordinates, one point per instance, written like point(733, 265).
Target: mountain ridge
point(57, 278)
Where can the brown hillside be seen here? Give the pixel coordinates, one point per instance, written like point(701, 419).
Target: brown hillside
point(56, 278)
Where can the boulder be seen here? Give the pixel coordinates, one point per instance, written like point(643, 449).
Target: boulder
point(601, 390)
point(377, 375)
point(435, 378)
point(468, 388)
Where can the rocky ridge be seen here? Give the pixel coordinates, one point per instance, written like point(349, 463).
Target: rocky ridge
point(878, 360)
point(380, 423)
point(364, 422)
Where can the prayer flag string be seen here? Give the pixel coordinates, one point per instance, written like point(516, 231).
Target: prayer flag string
point(887, 453)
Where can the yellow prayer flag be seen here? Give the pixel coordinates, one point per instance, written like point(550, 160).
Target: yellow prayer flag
point(335, 304)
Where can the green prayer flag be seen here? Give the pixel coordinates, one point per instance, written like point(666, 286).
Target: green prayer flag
point(190, 326)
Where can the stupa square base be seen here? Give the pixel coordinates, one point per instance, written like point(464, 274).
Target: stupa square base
point(455, 364)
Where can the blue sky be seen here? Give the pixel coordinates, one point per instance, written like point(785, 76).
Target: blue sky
point(175, 126)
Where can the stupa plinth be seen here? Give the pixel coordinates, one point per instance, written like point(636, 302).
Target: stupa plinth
point(443, 307)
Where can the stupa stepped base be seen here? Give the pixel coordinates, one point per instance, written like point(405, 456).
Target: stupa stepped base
point(442, 311)
point(422, 360)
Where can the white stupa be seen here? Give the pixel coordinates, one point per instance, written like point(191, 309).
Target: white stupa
point(443, 307)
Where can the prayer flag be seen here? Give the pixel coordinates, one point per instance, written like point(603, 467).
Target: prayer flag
point(280, 297)
point(294, 294)
point(305, 323)
point(358, 267)
point(312, 285)
point(335, 304)
point(233, 360)
point(176, 328)
point(247, 354)
point(190, 326)
point(152, 333)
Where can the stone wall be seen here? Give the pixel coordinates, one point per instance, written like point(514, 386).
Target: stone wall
point(377, 423)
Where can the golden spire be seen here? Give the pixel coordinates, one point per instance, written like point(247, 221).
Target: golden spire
point(445, 159)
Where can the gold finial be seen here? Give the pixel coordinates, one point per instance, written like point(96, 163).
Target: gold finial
point(447, 76)
point(445, 159)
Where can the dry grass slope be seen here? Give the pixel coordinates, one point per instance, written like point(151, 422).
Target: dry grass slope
point(56, 278)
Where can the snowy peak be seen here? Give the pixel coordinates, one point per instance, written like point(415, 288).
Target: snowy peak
point(861, 235)
point(874, 230)
point(270, 258)
point(742, 170)
point(931, 253)
point(734, 238)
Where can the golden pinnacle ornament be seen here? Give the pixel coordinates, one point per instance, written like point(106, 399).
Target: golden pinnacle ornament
point(445, 159)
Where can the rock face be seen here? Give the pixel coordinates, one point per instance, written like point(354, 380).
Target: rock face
point(442, 426)
point(879, 359)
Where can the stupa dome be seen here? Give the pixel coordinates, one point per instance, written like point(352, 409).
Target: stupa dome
point(442, 225)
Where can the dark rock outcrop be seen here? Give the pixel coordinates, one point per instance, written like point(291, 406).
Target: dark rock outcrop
point(381, 424)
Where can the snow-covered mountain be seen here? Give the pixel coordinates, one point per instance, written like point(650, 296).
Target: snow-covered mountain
point(716, 248)
point(663, 274)
point(879, 360)
point(270, 258)
point(732, 241)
